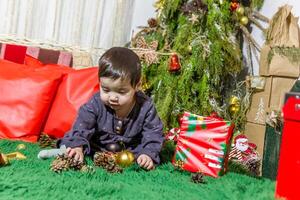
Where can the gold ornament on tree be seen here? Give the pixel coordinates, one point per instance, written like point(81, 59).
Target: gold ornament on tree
point(234, 105)
point(240, 10)
point(244, 20)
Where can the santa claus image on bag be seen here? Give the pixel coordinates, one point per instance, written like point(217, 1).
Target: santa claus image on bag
point(242, 148)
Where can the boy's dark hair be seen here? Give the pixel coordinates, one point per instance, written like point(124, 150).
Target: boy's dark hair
point(120, 62)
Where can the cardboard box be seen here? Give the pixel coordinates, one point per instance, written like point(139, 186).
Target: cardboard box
point(271, 98)
point(280, 86)
point(263, 61)
point(260, 103)
point(279, 65)
point(256, 135)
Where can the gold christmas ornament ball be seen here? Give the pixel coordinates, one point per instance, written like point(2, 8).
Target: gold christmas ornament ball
point(124, 158)
point(234, 104)
point(234, 100)
point(234, 109)
point(244, 20)
point(240, 10)
point(21, 147)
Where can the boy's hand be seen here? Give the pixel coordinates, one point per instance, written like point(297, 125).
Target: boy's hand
point(145, 162)
point(76, 152)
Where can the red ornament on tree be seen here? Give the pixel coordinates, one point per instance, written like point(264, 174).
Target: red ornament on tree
point(234, 5)
point(174, 65)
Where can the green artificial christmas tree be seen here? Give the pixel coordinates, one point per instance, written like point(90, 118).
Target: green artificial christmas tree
point(192, 57)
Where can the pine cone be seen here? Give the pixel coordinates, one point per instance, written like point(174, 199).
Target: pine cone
point(194, 6)
point(46, 141)
point(75, 164)
point(64, 163)
point(198, 177)
point(152, 23)
point(107, 161)
point(253, 166)
point(61, 163)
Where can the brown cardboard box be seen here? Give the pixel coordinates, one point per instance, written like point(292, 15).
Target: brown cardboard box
point(256, 135)
point(271, 98)
point(278, 66)
point(280, 86)
point(282, 66)
point(260, 103)
point(263, 61)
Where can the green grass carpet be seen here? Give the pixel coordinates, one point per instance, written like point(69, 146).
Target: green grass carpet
point(31, 179)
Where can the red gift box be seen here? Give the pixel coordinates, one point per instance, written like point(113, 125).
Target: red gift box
point(203, 144)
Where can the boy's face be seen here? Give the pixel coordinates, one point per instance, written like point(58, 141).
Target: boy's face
point(117, 94)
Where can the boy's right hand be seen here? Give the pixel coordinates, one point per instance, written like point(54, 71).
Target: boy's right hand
point(76, 153)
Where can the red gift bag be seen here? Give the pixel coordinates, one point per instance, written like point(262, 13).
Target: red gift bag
point(203, 144)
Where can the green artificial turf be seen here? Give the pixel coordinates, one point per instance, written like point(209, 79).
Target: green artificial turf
point(31, 179)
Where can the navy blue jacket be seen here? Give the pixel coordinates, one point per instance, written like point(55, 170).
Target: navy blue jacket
point(97, 125)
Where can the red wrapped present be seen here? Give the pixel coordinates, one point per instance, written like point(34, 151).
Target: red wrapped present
point(203, 144)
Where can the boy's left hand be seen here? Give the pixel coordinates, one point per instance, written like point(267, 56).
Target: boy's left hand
point(145, 162)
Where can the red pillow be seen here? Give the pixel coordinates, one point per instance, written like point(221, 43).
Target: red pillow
point(26, 96)
point(76, 88)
